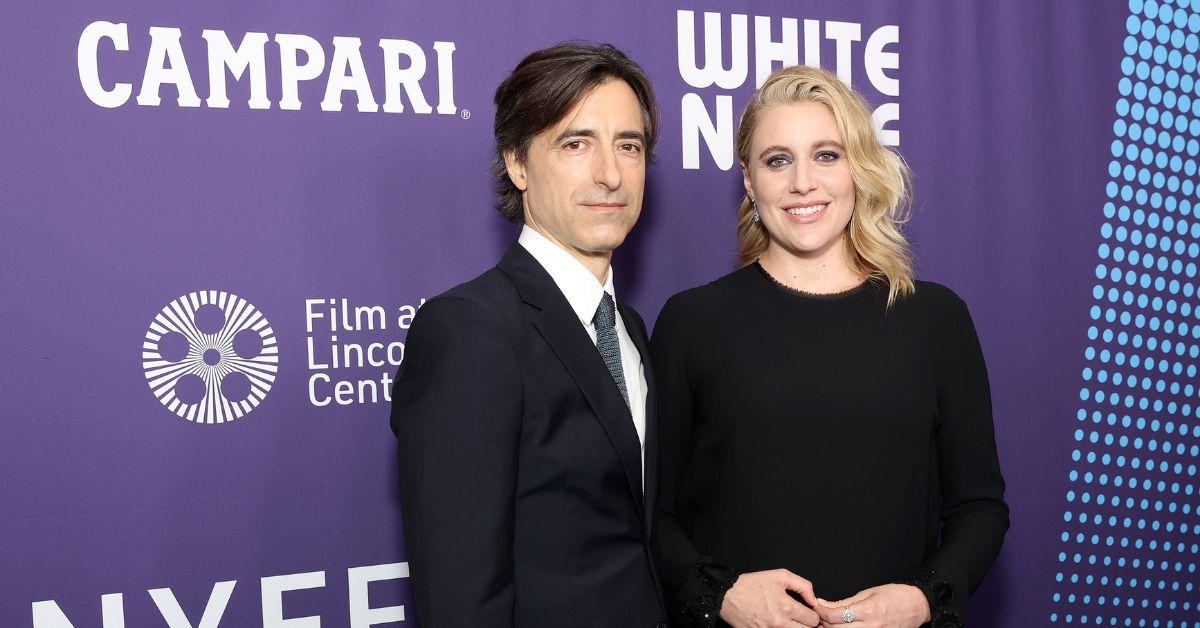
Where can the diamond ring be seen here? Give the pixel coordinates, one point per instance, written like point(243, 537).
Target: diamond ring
point(848, 615)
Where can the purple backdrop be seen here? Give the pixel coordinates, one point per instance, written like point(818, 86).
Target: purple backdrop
point(115, 208)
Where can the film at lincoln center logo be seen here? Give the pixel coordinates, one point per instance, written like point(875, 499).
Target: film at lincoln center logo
point(210, 356)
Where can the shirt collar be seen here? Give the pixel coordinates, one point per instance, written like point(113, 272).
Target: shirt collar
point(574, 280)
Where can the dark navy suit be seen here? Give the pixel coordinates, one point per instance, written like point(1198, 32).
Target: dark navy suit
point(520, 468)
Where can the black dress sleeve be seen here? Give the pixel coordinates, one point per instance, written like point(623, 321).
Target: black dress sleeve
point(695, 584)
point(974, 515)
point(456, 412)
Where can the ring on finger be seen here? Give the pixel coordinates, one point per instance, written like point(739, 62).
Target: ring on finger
point(848, 615)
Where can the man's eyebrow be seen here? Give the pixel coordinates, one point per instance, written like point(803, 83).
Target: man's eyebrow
point(573, 132)
point(632, 135)
point(577, 132)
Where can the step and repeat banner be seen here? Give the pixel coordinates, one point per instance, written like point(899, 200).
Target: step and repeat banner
point(220, 219)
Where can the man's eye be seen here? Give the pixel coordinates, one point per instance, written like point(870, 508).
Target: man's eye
point(573, 145)
point(631, 148)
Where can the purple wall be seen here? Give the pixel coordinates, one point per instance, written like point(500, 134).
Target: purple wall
point(111, 213)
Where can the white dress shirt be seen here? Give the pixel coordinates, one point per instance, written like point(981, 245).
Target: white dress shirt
point(583, 292)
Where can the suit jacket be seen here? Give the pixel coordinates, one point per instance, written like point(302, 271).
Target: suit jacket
point(520, 468)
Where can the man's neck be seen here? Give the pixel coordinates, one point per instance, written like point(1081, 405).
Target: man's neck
point(596, 263)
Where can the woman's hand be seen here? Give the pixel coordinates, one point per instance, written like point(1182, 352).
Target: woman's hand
point(760, 600)
point(887, 606)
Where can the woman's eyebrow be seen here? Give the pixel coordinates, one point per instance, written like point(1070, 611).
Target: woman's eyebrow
point(776, 148)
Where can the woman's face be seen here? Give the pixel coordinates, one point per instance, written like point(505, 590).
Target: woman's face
point(799, 175)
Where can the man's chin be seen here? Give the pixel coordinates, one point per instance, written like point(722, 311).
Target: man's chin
point(612, 231)
point(606, 242)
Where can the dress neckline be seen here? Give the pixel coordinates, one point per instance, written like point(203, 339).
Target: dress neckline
point(820, 296)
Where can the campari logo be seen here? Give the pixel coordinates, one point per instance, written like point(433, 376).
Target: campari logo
point(210, 357)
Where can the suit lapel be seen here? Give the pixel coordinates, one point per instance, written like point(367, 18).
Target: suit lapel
point(637, 332)
point(560, 327)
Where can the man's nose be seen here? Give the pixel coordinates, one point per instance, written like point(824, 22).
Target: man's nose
point(604, 169)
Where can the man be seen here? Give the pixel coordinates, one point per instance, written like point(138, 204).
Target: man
point(524, 408)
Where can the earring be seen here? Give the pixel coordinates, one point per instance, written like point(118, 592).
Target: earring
point(755, 204)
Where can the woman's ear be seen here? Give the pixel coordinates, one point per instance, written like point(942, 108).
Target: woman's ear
point(746, 180)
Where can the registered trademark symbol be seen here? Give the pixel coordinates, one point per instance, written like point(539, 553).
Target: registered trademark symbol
point(465, 113)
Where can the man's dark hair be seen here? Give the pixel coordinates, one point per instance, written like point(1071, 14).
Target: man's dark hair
point(543, 88)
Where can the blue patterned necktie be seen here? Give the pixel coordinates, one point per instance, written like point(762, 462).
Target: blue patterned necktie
point(605, 321)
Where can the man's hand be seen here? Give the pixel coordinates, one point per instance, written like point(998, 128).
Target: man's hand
point(760, 600)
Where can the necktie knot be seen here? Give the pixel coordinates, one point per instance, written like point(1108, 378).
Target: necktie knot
point(605, 317)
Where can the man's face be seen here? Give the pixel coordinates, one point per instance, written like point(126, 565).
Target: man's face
point(583, 177)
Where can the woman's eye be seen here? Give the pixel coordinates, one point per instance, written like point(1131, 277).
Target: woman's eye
point(777, 161)
point(827, 156)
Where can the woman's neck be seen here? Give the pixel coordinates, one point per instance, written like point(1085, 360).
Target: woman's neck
point(827, 272)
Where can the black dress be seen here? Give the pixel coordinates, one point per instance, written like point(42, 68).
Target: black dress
point(827, 435)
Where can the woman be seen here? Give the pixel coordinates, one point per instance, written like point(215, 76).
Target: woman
point(822, 413)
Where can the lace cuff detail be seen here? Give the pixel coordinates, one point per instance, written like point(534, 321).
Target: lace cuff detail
point(940, 596)
point(703, 610)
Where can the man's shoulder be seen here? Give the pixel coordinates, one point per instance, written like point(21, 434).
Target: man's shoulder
point(487, 299)
point(490, 286)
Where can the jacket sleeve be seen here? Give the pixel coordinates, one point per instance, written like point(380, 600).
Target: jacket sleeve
point(695, 584)
point(974, 515)
point(456, 413)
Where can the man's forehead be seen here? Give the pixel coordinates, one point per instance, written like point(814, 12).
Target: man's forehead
point(610, 106)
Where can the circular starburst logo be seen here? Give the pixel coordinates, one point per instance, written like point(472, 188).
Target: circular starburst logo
point(210, 356)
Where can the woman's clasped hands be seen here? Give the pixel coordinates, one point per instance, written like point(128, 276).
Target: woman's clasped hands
point(761, 600)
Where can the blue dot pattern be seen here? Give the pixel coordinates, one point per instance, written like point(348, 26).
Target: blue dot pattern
point(1131, 530)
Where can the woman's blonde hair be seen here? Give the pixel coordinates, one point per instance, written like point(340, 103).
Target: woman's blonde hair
point(875, 245)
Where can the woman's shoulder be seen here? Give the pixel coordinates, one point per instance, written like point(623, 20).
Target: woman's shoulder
point(700, 302)
point(935, 295)
point(936, 303)
point(713, 293)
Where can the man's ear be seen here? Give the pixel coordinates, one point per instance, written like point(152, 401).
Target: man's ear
point(515, 169)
